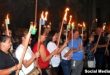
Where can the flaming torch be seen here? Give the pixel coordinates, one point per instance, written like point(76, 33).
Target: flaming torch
point(64, 19)
point(7, 22)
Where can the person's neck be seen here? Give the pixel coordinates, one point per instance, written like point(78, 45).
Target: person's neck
point(4, 51)
point(75, 38)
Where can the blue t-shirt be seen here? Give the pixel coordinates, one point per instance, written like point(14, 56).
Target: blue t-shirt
point(74, 43)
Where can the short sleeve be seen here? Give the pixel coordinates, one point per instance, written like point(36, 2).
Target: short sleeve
point(51, 47)
point(70, 44)
point(80, 41)
point(18, 52)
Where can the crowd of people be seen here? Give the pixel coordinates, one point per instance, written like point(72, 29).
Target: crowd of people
point(24, 54)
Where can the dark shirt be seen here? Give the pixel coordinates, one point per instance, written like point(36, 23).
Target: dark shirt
point(7, 61)
point(90, 55)
point(102, 41)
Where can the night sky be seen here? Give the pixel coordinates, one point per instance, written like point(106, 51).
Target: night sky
point(23, 11)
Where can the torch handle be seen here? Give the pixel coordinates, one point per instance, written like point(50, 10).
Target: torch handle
point(106, 50)
point(97, 42)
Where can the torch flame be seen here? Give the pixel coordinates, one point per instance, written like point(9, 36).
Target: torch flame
point(67, 9)
point(7, 16)
point(70, 19)
point(104, 27)
point(66, 12)
point(46, 14)
point(84, 25)
point(72, 25)
point(42, 15)
point(7, 20)
point(96, 20)
point(80, 25)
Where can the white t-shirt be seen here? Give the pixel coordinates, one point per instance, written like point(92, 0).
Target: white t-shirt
point(64, 51)
point(28, 55)
point(55, 60)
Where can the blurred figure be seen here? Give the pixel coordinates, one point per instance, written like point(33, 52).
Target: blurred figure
point(66, 62)
point(107, 50)
point(9, 33)
point(28, 66)
point(100, 50)
point(8, 64)
point(76, 53)
point(45, 55)
point(89, 52)
point(52, 46)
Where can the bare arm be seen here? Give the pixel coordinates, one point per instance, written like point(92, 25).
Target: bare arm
point(62, 47)
point(43, 54)
point(8, 71)
point(27, 63)
point(25, 44)
point(100, 46)
point(70, 52)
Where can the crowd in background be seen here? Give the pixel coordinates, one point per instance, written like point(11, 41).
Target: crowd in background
point(44, 57)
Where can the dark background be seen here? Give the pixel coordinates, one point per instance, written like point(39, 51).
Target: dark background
point(23, 11)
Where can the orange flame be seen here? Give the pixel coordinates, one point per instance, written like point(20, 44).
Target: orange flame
point(42, 15)
point(104, 27)
point(84, 25)
point(7, 16)
point(80, 25)
point(66, 12)
point(7, 20)
point(72, 25)
point(46, 14)
point(70, 19)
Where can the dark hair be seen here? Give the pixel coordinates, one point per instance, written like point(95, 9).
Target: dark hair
point(49, 37)
point(75, 30)
point(3, 38)
point(19, 34)
point(23, 32)
point(43, 31)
